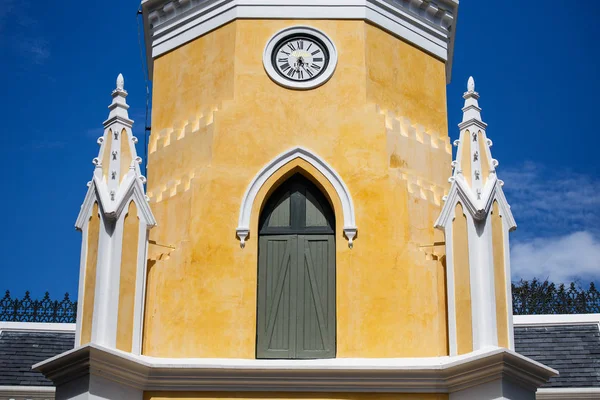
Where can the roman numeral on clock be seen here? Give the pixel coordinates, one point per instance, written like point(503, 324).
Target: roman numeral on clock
point(315, 66)
point(318, 59)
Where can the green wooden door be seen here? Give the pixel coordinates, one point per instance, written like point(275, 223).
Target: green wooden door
point(296, 275)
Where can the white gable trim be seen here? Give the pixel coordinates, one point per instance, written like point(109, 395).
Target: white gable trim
point(278, 162)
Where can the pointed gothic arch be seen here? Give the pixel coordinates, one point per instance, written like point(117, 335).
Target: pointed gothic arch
point(277, 163)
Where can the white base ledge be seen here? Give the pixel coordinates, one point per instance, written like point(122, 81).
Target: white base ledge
point(399, 375)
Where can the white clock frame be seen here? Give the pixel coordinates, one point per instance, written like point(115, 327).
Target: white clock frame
point(301, 85)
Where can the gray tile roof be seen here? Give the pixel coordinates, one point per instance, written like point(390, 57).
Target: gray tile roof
point(20, 350)
point(574, 350)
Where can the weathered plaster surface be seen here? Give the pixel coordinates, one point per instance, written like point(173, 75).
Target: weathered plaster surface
point(93, 233)
point(462, 282)
point(218, 119)
point(127, 282)
point(500, 276)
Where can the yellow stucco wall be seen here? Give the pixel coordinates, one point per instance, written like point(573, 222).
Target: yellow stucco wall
point(106, 154)
point(500, 277)
point(485, 163)
point(466, 158)
point(218, 119)
point(291, 396)
point(125, 154)
point(404, 79)
point(129, 254)
point(89, 286)
point(462, 282)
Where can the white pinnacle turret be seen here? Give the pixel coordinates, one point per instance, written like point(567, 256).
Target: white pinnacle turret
point(116, 190)
point(474, 167)
point(470, 84)
point(119, 107)
point(471, 110)
point(120, 82)
point(476, 212)
point(117, 164)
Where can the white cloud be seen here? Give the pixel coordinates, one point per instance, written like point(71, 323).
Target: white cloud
point(561, 259)
point(558, 213)
point(550, 202)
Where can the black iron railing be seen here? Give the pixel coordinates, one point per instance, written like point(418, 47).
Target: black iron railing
point(537, 297)
point(529, 297)
point(45, 310)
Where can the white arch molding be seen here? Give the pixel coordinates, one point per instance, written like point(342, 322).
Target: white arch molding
point(243, 229)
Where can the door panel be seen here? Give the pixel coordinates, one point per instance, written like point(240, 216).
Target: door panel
point(276, 300)
point(316, 297)
point(296, 274)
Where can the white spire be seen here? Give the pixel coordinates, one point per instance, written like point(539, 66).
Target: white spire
point(474, 166)
point(468, 217)
point(119, 107)
point(117, 187)
point(120, 82)
point(471, 110)
point(470, 84)
point(117, 163)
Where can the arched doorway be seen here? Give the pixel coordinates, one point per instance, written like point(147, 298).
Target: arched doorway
point(296, 273)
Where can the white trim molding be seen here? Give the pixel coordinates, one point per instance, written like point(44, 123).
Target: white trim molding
point(350, 229)
point(428, 25)
point(302, 30)
point(556, 319)
point(568, 394)
point(27, 392)
point(36, 327)
point(392, 375)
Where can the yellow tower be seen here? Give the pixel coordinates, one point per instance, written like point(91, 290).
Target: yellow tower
point(298, 167)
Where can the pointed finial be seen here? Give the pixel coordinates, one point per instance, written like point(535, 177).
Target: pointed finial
point(120, 82)
point(471, 84)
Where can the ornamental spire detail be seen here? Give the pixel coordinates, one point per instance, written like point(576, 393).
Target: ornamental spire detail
point(476, 220)
point(117, 165)
point(115, 220)
point(474, 169)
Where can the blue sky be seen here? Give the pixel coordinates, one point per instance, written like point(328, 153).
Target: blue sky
point(536, 68)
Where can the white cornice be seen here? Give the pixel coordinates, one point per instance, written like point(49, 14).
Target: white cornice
point(427, 24)
point(433, 375)
point(27, 392)
point(36, 327)
point(556, 319)
point(568, 394)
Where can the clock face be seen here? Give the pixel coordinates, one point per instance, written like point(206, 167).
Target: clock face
point(300, 58)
